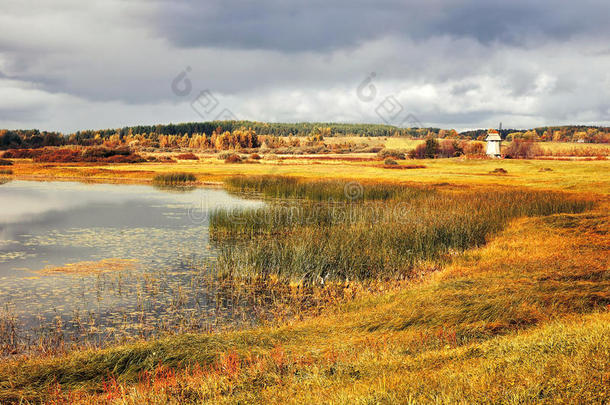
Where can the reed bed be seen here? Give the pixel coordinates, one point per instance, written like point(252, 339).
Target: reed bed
point(174, 179)
point(314, 243)
point(323, 190)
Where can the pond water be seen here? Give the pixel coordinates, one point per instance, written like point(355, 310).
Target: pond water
point(93, 260)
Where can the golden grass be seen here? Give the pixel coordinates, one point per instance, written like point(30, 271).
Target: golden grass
point(578, 176)
point(559, 147)
point(522, 319)
point(90, 267)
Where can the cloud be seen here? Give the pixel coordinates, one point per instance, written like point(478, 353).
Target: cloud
point(455, 63)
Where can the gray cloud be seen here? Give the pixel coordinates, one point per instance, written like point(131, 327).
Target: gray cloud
point(452, 63)
point(317, 25)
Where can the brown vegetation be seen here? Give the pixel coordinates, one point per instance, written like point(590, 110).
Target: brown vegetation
point(187, 156)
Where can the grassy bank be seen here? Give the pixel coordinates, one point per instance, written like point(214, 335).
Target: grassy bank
point(521, 319)
point(410, 227)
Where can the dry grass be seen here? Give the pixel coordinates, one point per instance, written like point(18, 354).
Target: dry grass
point(522, 319)
point(88, 267)
point(593, 176)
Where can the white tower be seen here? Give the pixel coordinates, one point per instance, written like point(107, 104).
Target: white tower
point(493, 143)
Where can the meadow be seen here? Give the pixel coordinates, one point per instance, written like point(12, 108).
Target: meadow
point(450, 283)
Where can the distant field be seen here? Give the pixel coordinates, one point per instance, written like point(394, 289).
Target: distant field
point(577, 149)
point(566, 175)
point(548, 148)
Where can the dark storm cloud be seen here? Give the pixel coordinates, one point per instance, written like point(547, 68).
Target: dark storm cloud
point(322, 25)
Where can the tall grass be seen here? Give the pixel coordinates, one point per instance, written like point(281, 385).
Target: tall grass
point(322, 190)
point(318, 242)
point(173, 179)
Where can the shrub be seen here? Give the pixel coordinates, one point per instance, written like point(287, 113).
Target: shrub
point(391, 153)
point(499, 170)
point(132, 158)
point(390, 162)
point(234, 158)
point(4, 162)
point(372, 149)
point(6, 171)
point(255, 156)
point(449, 148)
point(21, 153)
point(522, 149)
point(473, 149)
point(187, 156)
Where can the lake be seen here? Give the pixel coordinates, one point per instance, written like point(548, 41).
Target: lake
point(93, 261)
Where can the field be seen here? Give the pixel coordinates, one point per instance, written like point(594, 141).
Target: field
point(491, 286)
point(563, 175)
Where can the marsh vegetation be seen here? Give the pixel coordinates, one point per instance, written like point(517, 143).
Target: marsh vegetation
point(341, 230)
point(174, 179)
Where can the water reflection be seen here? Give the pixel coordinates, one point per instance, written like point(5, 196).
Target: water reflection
point(48, 228)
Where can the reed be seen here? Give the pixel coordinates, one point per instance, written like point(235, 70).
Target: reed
point(173, 179)
point(314, 243)
point(323, 190)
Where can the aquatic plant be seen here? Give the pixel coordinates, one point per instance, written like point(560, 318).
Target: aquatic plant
point(372, 239)
point(173, 179)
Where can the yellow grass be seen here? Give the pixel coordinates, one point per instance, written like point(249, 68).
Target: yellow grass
point(90, 267)
point(602, 148)
point(523, 319)
point(590, 176)
point(520, 320)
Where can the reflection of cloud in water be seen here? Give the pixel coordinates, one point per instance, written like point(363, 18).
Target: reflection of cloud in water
point(46, 225)
point(24, 201)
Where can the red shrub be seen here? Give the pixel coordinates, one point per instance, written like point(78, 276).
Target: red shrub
point(59, 155)
point(234, 158)
point(133, 158)
point(520, 149)
point(187, 156)
point(21, 153)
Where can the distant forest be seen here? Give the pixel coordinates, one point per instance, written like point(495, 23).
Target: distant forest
point(227, 134)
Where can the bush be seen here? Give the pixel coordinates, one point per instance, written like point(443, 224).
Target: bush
point(234, 158)
point(4, 162)
point(499, 170)
point(6, 171)
point(390, 162)
point(255, 156)
point(391, 153)
point(187, 156)
point(449, 148)
point(21, 153)
point(473, 149)
point(521, 149)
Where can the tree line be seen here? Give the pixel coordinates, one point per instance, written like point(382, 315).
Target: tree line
point(251, 134)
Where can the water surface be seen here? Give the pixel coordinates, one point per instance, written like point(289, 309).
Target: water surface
point(159, 238)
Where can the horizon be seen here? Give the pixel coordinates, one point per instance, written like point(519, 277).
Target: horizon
point(459, 131)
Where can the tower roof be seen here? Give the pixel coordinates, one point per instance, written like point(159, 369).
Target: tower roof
point(493, 135)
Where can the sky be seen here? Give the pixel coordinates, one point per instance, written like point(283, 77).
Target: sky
point(67, 65)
